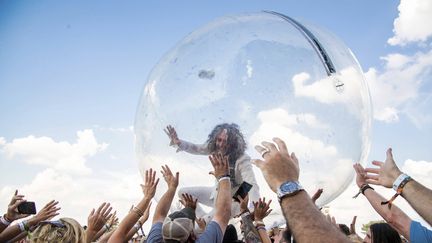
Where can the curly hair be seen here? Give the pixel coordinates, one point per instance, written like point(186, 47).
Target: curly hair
point(236, 145)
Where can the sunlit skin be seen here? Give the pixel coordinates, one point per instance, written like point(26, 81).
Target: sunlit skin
point(221, 141)
point(368, 237)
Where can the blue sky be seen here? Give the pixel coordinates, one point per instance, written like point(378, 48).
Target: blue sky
point(80, 66)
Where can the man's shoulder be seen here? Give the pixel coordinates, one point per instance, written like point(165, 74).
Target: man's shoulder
point(155, 234)
point(419, 233)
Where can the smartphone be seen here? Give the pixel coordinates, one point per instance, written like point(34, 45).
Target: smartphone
point(242, 191)
point(27, 208)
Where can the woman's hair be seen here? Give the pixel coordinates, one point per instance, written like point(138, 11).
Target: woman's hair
point(64, 230)
point(384, 233)
point(235, 142)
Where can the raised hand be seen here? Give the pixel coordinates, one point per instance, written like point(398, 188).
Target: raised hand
point(243, 203)
point(150, 183)
point(172, 134)
point(220, 165)
point(188, 201)
point(49, 211)
point(171, 180)
point(360, 174)
point(278, 165)
point(262, 209)
point(385, 174)
point(98, 218)
point(12, 212)
point(112, 219)
point(201, 223)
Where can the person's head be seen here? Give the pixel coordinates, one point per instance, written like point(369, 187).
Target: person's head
point(227, 139)
point(230, 235)
point(178, 226)
point(382, 233)
point(62, 230)
point(344, 228)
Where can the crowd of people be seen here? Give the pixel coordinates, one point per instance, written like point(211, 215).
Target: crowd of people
point(280, 168)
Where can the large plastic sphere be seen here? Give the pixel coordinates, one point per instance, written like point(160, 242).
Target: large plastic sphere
point(274, 77)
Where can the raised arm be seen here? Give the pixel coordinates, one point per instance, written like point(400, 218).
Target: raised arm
point(250, 233)
point(262, 210)
point(306, 222)
point(139, 224)
point(223, 199)
point(49, 211)
point(96, 220)
point(181, 145)
point(149, 190)
point(417, 195)
point(12, 212)
point(393, 215)
point(164, 204)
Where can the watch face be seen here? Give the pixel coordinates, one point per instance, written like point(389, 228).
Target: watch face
point(288, 187)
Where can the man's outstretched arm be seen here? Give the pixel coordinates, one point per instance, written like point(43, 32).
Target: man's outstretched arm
point(393, 215)
point(307, 223)
point(199, 149)
point(417, 195)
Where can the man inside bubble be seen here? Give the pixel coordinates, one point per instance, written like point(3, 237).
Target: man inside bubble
point(226, 139)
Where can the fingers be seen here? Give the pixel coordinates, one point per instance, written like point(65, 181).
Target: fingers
point(16, 203)
point(177, 177)
point(373, 182)
point(166, 171)
point(269, 146)
point(354, 220)
point(389, 154)
point(258, 163)
point(294, 157)
point(372, 170)
point(281, 145)
point(372, 177)
point(378, 163)
point(263, 151)
point(92, 212)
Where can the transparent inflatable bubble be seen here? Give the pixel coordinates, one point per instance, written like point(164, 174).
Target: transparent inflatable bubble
point(271, 75)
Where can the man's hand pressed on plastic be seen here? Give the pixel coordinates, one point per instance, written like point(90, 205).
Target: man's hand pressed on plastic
point(172, 134)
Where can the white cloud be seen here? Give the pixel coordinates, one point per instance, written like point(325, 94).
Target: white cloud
point(62, 156)
point(77, 195)
point(2, 141)
point(398, 85)
point(412, 23)
point(347, 88)
point(396, 60)
point(419, 170)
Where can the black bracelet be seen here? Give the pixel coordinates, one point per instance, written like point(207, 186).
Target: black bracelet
point(365, 187)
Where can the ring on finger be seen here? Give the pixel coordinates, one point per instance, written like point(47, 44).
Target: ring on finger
point(264, 152)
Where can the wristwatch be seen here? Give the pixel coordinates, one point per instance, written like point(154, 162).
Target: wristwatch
point(288, 189)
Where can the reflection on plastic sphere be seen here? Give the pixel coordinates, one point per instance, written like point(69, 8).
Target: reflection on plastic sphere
point(274, 77)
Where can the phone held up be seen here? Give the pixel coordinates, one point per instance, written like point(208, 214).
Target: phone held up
point(242, 191)
point(27, 208)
